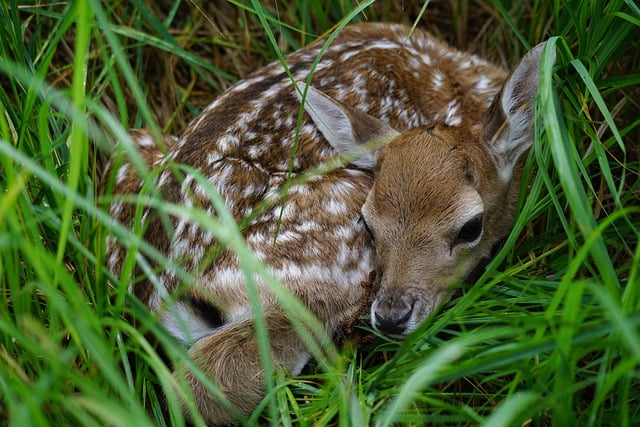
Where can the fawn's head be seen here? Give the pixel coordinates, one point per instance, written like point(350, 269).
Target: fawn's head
point(443, 196)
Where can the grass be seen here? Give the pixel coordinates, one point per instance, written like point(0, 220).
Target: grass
point(549, 335)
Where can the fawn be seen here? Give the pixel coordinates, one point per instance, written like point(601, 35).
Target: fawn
point(423, 207)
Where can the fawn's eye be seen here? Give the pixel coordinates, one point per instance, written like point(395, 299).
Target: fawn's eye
point(470, 232)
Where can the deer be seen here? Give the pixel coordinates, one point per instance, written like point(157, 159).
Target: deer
point(434, 140)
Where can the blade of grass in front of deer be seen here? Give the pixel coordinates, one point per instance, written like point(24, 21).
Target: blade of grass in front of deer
point(513, 411)
point(78, 137)
point(565, 158)
point(631, 293)
point(421, 377)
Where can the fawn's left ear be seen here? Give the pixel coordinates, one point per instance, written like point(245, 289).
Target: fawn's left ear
point(508, 124)
point(350, 131)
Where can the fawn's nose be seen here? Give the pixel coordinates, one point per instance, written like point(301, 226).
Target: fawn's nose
point(392, 316)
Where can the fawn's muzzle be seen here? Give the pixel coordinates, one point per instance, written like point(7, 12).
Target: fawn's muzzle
point(393, 314)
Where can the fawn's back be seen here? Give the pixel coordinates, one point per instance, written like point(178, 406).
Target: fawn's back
point(432, 108)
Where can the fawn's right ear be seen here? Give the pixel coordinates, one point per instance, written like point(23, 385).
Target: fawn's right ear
point(508, 125)
point(351, 132)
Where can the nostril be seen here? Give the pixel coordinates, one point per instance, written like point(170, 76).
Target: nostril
point(405, 315)
point(394, 322)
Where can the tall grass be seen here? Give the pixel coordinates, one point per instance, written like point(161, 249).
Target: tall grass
point(550, 334)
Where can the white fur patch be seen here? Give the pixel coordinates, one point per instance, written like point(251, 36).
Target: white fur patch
point(122, 173)
point(452, 118)
point(146, 141)
point(181, 322)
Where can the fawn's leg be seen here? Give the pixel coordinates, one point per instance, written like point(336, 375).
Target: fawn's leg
point(232, 359)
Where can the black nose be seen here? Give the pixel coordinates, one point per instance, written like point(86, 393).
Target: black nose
point(393, 322)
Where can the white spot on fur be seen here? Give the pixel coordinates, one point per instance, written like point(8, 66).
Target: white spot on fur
point(336, 207)
point(181, 226)
point(415, 63)
point(146, 141)
point(308, 226)
point(437, 79)
point(348, 55)
point(213, 157)
point(484, 83)
point(229, 277)
point(114, 256)
point(115, 210)
point(287, 237)
point(122, 173)
point(451, 118)
point(228, 143)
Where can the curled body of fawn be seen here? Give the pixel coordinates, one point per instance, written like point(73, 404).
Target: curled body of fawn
point(424, 210)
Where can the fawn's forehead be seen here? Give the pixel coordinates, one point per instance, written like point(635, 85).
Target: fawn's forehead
point(443, 153)
point(425, 171)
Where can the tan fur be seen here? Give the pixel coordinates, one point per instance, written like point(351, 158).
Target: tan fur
point(427, 101)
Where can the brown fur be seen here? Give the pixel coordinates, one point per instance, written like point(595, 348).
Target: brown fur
point(380, 83)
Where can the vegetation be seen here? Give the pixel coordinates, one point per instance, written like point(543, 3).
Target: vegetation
point(549, 335)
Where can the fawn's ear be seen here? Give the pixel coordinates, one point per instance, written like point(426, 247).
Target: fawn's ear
point(349, 131)
point(508, 124)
